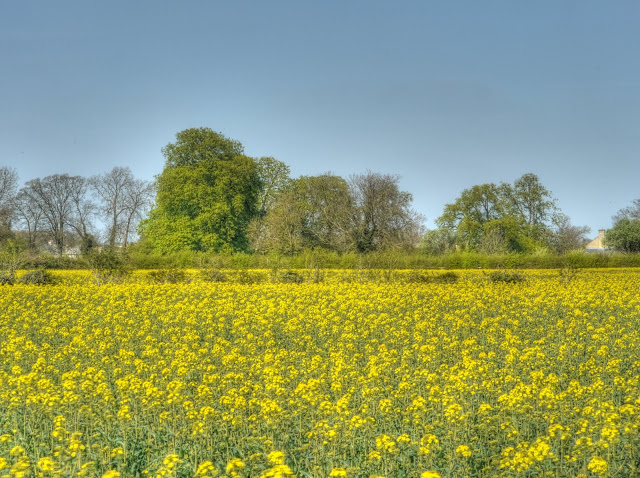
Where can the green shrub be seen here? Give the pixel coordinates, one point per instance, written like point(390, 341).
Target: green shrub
point(7, 278)
point(244, 276)
point(290, 277)
point(212, 275)
point(168, 276)
point(107, 265)
point(37, 277)
point(448, 277)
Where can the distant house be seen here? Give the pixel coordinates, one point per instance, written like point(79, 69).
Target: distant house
point(597, 245)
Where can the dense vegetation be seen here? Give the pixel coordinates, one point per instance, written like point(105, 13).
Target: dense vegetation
point(212, 198)
point(350, 374)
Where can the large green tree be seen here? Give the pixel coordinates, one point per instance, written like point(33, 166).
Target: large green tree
point(206, 195)
point(311, 211)
point(501, 217)
point(467, 216)
point(624, 236)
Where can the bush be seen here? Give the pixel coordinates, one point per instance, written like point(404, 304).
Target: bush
point(449, 277)
point(212, 275)
point(509, 277)
point(290, 277)
point(168, 276)
point(107, 265)
point(37, 277)
point(7, 278)
point(246, 277)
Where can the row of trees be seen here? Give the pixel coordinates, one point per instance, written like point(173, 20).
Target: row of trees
point(211, 196)
point(498, 218)
point(59, 211)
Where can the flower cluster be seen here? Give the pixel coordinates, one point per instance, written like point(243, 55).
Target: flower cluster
point(343, 378)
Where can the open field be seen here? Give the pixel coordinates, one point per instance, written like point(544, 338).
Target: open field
point(353, 376)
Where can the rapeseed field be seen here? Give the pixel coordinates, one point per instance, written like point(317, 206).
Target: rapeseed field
point(342, 378)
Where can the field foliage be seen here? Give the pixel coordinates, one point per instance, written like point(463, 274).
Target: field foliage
point(357, 374)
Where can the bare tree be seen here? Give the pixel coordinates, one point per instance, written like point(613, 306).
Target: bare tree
point(110, 188)
point(629, 212)
point(384, 216)
point(28, 215)
point(53, 195)
point(138, 199)
point(567, 237)
point(83, 209)
point(124, 201)
point(8, 188)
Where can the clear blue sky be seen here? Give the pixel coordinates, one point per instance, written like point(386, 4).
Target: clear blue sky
point(445, 94)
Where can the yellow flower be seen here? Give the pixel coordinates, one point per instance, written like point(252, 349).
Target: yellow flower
point(205, 468)
point(430, 474)
point(374, 455)
point(276, 457)
point(464, 451)
point(171, 461)
point(46, 464)
point(235, 465)
point(338, 472)
point(16, 450)
point(111, 474)
point(598, 465)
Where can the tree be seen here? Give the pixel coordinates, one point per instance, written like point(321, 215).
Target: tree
point(53, 196)
point(196, 145)
point(110, 189)
point(384, 218)
point(475, 207)
point(567, 237)
point(281, 229)
point(532, 200)
point(329, 211)
point(438, 242)
point(206, 195)
point(629, 212)
point(506, 234)
point(312, 211)
point(29, 216)
point(124, 202)
point(138, 198)
point(534, 204)
point(501, 217)
point(274, 178)
point(8, 187)
point(624, 236)
point(83, 209)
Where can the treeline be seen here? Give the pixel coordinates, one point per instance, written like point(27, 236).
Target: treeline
point(58, 213)
point(212, 199)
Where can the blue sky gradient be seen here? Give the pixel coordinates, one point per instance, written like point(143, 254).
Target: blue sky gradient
point(445, 94)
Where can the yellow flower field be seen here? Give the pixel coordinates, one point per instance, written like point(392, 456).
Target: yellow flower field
point(341, 378)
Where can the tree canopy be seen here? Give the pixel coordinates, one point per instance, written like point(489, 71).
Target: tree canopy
point(625, 234)
point(501, 217)
point(206, 195)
